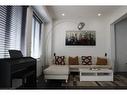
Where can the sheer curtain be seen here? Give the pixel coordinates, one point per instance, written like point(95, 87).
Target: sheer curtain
point(36, 37)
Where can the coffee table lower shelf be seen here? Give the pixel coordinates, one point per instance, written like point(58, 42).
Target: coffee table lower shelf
point(96, 75)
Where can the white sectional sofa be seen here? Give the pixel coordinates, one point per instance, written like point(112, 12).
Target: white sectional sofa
point(62, 71)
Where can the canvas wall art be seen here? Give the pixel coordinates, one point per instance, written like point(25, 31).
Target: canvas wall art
point(80, 38)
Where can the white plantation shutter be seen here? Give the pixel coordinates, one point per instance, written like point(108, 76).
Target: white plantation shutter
point(10, 29)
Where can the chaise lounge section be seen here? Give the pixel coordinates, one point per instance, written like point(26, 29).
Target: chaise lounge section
point(57, 72)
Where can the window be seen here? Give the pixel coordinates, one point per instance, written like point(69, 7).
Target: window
point(36, 37)
point(10, 29)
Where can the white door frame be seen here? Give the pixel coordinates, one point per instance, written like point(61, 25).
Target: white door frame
point(113, 41)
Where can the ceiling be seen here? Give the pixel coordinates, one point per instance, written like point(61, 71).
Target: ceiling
point(75, 12)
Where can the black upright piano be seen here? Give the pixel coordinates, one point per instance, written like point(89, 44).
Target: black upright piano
point(18, 68)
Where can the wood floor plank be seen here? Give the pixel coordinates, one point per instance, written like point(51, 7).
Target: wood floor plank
point(106, 83)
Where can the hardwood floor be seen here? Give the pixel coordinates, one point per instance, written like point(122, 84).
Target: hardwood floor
point(120, 82)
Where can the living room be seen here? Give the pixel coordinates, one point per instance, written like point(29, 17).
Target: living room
point(59, 64)
point(102, 20)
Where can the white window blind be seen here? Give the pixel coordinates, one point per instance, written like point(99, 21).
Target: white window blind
point(10, 29)
point(3, 14)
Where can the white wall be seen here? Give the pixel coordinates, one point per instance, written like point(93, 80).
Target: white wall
point(48, 43)
point(61, 26)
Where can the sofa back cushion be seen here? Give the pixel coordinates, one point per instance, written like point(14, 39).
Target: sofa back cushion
point(73, 60)
point(60, 60)
point(86, 60)
point(101, 61)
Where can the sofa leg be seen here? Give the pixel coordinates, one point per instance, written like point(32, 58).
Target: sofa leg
point(66, 81)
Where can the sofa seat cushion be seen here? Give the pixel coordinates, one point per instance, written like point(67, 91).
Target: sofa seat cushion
point(102, 66)
point(90, 66)
point(79, 66)
point(57, 69)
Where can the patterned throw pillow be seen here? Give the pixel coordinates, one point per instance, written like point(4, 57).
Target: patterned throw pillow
point(60, 60)
point(86, 60)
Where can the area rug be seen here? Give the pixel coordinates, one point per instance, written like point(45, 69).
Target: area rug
point(74, 82)
point(87, 83)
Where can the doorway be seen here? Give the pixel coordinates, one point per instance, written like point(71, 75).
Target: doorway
point(120, 30)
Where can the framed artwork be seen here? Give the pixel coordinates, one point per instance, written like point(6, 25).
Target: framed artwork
point(80, 38)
